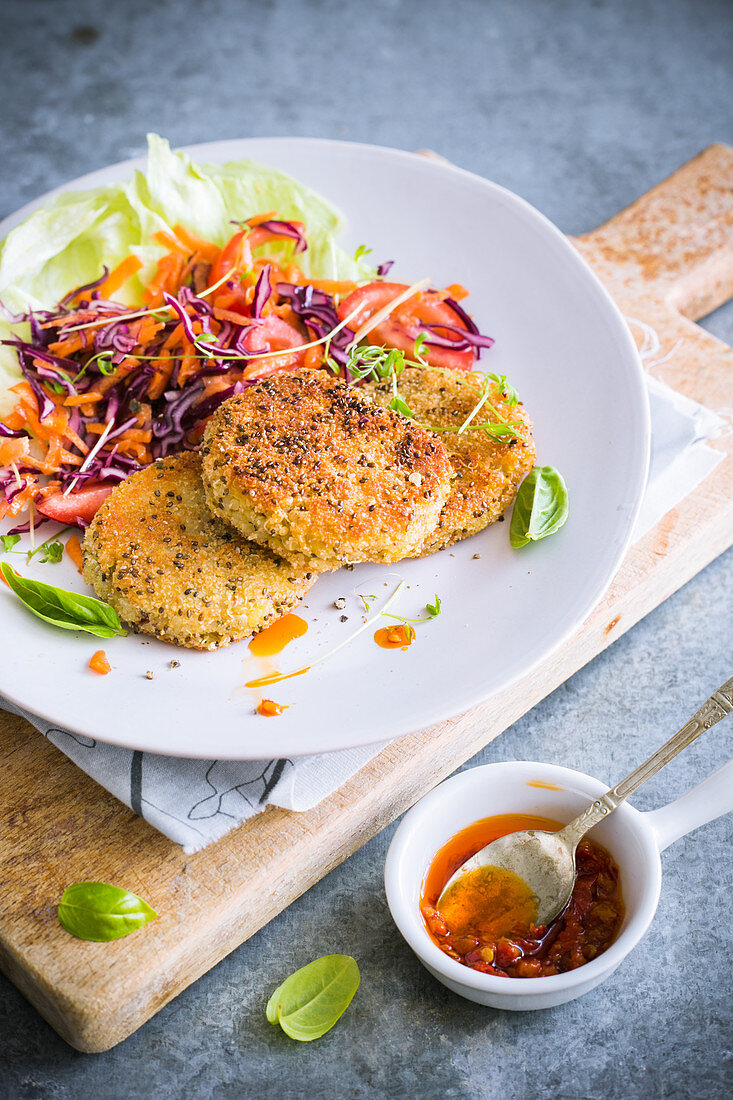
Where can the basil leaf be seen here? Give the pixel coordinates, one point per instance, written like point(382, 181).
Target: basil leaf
point(541, 507)
point(98, 911)
point(67, 610)
point(314, 998)
point(9, 541)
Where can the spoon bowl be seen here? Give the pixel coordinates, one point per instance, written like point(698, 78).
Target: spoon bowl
point(634, 839)
point(544, 861)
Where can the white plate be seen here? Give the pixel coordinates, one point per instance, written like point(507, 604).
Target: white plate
point(565, 347)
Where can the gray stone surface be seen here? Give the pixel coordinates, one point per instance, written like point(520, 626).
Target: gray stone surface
point(579, 107)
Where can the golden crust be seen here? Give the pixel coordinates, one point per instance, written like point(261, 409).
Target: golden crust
point(488, 472)
point(309, 467)
point(171, 569)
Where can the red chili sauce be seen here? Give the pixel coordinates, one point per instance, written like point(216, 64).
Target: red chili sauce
point(487, 921)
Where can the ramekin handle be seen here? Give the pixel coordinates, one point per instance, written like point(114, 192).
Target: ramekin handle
point(708, 800)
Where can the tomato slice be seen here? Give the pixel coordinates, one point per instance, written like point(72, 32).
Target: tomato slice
point(274, 334)
point(237, 252)
point(402, 327)
point(80, 505)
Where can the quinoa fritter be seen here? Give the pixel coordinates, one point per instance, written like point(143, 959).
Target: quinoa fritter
point(488, 471)
point(306, 465)
point(171, 569)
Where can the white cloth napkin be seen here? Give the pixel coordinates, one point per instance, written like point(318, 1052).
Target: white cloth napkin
point(195, 802)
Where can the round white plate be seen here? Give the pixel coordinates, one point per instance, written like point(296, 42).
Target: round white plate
point(563, 344)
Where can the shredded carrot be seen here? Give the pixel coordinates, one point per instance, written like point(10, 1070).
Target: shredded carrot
point(313, 357)
point(121, 370)
point(168, 274)
point(163, 372)
point(331, 286)
point(73, 343)
point(206, 249)
point(99, 663)
point(137, 451)
point(88, 398)
point(73, 549)
point(119, 276)
point(258, 219)
point(456, 291)
point(80, 317)
point(226, 298)
point(173, 244)
point(228, 315)
point(13, 450)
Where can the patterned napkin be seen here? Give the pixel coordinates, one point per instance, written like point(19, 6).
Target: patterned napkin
point(195, 802)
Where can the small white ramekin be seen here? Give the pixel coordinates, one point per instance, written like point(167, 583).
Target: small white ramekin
point(634, 839)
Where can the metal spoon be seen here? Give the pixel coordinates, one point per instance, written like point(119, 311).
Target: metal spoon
point(546, 861)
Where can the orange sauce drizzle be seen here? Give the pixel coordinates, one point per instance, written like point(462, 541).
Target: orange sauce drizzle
point(399, 636)
point(541, 783)
point(275, 678)
point(275, 637)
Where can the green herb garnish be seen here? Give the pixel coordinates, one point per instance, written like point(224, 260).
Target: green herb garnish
point(541, 507)
point(314, 998)
point(52, 550)
point(433, 609)
point(399, 406)
point(98, 911)
point(361, 251)
point(382, 364)
point(66, 610)
point(103, 359)
point(418, 349)
point(508, 392)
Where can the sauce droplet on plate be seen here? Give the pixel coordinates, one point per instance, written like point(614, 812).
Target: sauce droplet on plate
point(268, 709)
point(399, 636)
point(275, 637)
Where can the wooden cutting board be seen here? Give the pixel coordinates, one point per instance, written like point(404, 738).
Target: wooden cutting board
point(666, 260)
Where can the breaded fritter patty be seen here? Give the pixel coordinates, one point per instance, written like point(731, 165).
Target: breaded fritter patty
point(488, 472)
point(306, 465)
point(169, 568)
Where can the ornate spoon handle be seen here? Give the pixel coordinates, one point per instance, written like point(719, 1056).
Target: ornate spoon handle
point(717, 706)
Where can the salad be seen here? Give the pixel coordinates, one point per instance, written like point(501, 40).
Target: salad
point(198, 281)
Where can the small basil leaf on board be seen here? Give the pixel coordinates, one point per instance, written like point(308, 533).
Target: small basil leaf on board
point(67, 610)
point(99, 911)
point(314, 998)
point(541, 507)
